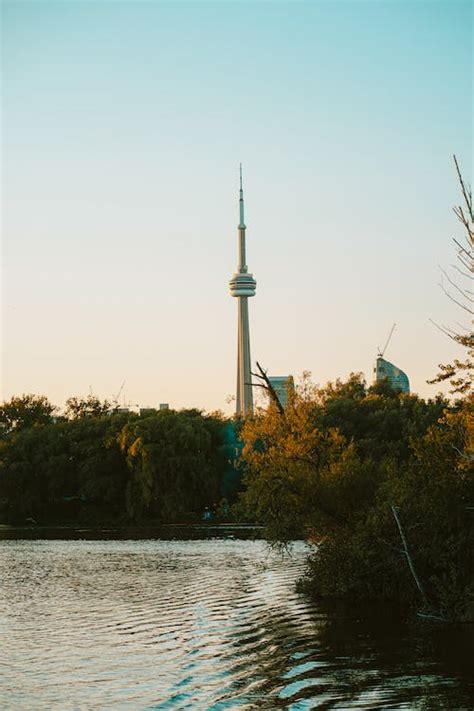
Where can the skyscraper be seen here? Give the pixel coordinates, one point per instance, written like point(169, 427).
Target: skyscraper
point(242, 285)
point(283, 385)
point(384, 370)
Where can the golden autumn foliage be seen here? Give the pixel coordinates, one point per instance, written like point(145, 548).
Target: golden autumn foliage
point(333, 466)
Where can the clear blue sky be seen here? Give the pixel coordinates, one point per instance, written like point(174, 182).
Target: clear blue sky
point(123, 127)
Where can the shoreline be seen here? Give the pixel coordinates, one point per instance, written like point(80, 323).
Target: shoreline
point(164, 531)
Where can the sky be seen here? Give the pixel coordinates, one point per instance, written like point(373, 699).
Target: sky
point(123, 126)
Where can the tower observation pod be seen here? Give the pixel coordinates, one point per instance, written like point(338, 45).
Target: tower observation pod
point(242, 286)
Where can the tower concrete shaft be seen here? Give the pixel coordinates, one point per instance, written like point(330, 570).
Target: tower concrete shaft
point(244, 399)
point(242, 286)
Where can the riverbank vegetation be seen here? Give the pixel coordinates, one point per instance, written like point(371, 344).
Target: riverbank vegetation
point(382, 483)
point(98, 466)
point(337, 466)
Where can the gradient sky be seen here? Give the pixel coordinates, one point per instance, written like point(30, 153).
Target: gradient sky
point(123, 125)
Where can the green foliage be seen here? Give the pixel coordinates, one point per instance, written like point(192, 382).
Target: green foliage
point(90, 406)
point(50, 473)
point(436, 494)
point(171, 459)
point(99, 468)
point(379, 420)
point(25, 411)
point(331, 468)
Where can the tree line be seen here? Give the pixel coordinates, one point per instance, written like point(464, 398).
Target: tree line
point(380, 482)
point(96, 465)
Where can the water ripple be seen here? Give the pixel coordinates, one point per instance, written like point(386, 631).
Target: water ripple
point(202, 625)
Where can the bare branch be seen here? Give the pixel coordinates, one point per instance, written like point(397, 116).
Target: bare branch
point(444, 329)
point(463, 327)
point(266, 385)
point(408, 557)
point(458, 303)
point(459, 212)
point(464, 293)
point(463, 274)
point(462, 249)
point(469, 457)
point(464, 263)
point(466, 190)
point(460, 373)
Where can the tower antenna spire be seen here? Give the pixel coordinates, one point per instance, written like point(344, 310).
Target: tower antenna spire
point(241, 203)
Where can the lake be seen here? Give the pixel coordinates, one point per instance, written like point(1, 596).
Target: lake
point(211, 624)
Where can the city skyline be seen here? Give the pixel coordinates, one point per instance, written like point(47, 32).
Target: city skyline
point(122, 130)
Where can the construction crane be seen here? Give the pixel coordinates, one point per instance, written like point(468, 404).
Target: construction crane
point(381, 353)
point(115, 399)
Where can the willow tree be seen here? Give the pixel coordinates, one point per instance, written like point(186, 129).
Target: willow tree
point(172, 463)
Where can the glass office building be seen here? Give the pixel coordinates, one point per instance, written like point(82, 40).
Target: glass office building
point(282, 385)
point(384, 370)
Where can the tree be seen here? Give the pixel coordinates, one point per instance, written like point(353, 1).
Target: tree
point(172, 464)
point(35, 463)
point(297, 460)
point(96, 467)
point(460, 373)
point(67, 471)
point(334, 466)
point(89, 406)
point(25, 411)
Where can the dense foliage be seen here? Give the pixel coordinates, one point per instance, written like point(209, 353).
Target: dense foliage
point(380, 482)
point(338, 468)
point(25, 411)
point(99, 466)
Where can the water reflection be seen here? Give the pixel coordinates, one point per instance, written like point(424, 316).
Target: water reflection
point(206, 625)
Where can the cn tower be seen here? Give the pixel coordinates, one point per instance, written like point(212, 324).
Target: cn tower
point(242, 285)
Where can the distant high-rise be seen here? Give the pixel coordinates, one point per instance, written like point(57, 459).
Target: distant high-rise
point(242, 285)
point(283, 385)
point(384, 370)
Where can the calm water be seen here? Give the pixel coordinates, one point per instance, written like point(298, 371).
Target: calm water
point(205, 625)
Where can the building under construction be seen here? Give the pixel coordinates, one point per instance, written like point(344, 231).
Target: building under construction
point(384, 370)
